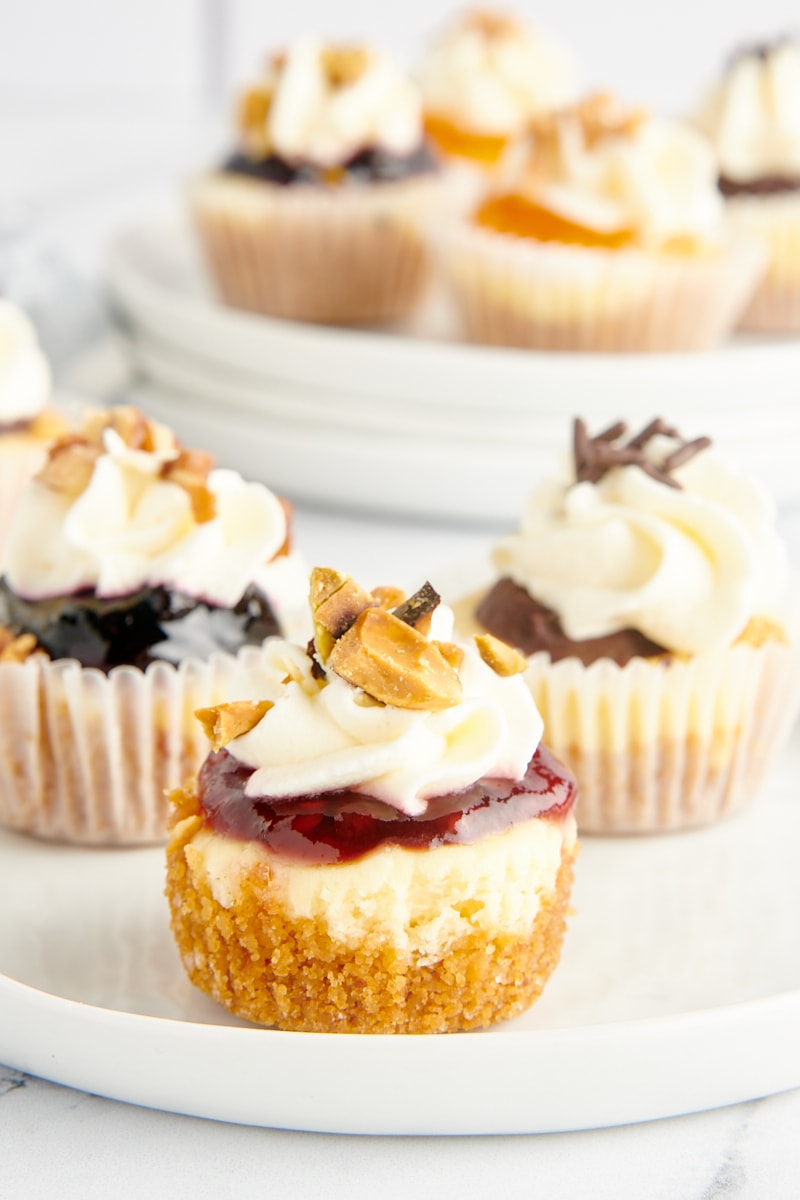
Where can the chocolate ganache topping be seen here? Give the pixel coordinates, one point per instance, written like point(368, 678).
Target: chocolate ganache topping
point(512, 614)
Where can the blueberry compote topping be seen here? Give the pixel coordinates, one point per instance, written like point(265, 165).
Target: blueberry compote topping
point(149, 625)
point(337, 827)
point(368, 166)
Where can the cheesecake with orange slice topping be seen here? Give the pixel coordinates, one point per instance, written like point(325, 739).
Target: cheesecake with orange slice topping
point(605, 232)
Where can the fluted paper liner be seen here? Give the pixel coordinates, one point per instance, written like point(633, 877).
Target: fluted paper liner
point(517, 292)
point(774, 221)
point(673, 744)
point(87, 757)
point(338, 255)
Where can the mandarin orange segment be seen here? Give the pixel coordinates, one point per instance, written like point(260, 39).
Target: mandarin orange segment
point(461, 143)
point(525, 218)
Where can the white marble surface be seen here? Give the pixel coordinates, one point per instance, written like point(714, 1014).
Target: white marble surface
point(55, 1142)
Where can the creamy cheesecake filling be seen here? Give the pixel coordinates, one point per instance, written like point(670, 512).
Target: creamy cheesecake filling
point(419, 901)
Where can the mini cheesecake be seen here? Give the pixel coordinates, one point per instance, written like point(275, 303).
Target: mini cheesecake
point(384, 904)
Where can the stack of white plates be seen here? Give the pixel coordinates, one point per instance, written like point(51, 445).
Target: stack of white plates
point(411, 420)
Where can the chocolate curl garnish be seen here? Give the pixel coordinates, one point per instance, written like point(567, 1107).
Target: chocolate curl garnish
point(594, 456)
point(419, 606)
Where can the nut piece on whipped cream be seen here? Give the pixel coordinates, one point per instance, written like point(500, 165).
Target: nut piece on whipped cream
point(224, 722)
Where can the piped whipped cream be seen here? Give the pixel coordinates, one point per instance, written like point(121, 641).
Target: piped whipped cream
point(752, 115)
point(323, 734)
point(324, 104)
point(687, 566)
point(490, 74)
point(25, 382)
point(608, 168)
point(130, 527)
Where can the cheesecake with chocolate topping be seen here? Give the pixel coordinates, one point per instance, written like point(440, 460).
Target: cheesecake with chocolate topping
point(752, 115)
point(647, 589)
point(377, 842)
point(139, 571)
point(319, 214)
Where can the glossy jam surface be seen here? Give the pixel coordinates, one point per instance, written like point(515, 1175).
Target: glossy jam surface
point(368, 166)
point(524, 218)
point(150, 625)
point(338, 827)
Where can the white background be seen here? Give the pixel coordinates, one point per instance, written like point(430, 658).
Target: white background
point(165, 56)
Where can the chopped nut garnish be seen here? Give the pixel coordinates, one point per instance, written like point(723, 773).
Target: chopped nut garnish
point(395, 664)
point(760, 630)
point(502, 658)
point(252, 117)
point(190, 470)
point(16, 648)
point(224, 722)
point(336, 601)
point(69, 465)
point(492, 24)
point(388, 597)
point(452, 654)
point(343, 65)
point(598, 117)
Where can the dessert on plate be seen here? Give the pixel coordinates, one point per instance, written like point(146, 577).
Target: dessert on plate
point(320, 214)
point(647, 586)
point(606, 232)
point(752, 116)
point(484, 78)
point(377, 842)
point(27, 423)
point(128, 590)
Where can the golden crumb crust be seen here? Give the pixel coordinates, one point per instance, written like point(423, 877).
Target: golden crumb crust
point(264, 964)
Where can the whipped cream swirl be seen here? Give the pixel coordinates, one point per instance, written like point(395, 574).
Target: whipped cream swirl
point(24, 372)
point(687, 567)
point(752, 115)
point(322, 738)
point(129, 528)
point(315, 117)
point(656, 179)
point(491, 76)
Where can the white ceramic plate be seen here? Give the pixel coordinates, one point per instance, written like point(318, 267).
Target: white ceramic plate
point(678, 990)
point(493, 419)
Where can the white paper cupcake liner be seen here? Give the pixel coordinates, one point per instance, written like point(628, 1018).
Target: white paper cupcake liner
point(516, 292)
point(87, 757)
point(344, 255)
point(666, 745)
point(20, 458)
point(773, 221)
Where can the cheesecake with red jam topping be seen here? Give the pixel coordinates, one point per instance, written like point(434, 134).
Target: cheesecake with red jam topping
point(377, 842)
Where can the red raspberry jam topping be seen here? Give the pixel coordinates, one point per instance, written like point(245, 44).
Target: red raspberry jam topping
point(340, 826)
